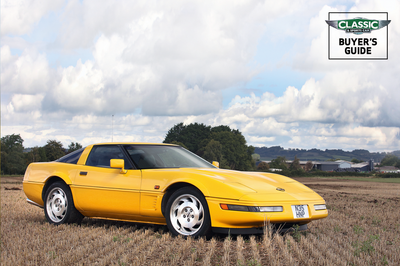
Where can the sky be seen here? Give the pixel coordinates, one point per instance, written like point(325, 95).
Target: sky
point(99, 71)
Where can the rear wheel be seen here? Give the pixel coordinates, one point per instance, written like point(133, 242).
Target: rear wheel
point(187, 213)
point(59, 207)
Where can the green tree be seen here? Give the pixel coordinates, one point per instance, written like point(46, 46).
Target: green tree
point(12, 156)
point(213, 152)
point(32, 155)
point(309, 166)
point(234, 149)
point(190, 135)
point(279, 163)
point(295, 165)
point(42, 155)
point(74, 146)
point(354, 160)
point(54, 150)
point(390, 160)
point(37, 154)
point(196, 137)
point(263, 166)
point(221, 128)
point(256, 157)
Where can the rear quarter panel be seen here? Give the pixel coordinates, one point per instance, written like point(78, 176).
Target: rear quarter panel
point(37, 174)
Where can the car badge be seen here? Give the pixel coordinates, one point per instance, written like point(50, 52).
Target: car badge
point(280, 189)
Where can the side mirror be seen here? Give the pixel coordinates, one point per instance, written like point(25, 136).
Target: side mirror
point(215, 163)
point(118, 163)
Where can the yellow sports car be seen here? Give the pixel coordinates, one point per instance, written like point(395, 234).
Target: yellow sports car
point(167, 184)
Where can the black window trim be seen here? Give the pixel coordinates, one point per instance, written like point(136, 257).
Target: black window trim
point(129, 160)
point(59, 160)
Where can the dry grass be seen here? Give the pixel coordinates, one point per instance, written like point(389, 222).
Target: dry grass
point(363, 228)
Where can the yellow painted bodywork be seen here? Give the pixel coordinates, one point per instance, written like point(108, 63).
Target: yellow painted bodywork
point(136, 195)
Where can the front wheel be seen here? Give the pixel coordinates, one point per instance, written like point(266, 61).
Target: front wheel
point(187, 213)
point(59, 207)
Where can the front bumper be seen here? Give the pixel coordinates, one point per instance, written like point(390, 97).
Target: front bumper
point(240, 219)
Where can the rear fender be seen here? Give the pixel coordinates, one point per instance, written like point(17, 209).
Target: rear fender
point(54, 178)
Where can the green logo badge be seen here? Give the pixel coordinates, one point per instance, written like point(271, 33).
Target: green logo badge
point(358, 25)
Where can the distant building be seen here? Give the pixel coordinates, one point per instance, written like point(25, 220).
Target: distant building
point(275, 170)
point(326, 166)
point(343, 164)
point(388, 169)
point(338, 166)
point(362, 167)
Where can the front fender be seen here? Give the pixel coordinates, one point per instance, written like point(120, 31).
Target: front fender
point(209, 184)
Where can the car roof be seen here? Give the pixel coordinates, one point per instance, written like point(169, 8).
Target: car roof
point(133, 143)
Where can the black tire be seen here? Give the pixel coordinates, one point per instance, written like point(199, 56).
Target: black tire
point(187, 213)
point(59, 206)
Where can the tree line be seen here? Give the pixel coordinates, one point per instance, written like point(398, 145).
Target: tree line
point(280, 163)
point(390, 160)
point(14, 160)
point(269, 153)
point(295, 169)
point(221, 143)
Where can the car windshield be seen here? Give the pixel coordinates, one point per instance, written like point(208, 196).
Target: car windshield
point(163, 156)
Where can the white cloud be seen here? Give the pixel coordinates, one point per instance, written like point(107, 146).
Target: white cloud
point(28, 73)
point(262, 140)
point(168, 59)
point(26, 102)
point(359, 114)
point(156, 64)
point(81, 89)
point(19, 16)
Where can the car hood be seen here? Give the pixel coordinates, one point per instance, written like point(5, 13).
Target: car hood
point(255, 185)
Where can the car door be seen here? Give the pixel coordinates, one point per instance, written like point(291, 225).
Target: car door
point(102, 191)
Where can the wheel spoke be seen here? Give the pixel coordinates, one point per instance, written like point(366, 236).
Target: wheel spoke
point(186, 214)
point(57, 205)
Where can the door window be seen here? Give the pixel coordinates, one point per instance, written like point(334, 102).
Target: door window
point(100, 156)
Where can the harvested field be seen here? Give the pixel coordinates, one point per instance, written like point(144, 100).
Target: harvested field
point(363, 228)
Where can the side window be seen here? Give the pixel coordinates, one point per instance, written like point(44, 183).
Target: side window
point(73, 157)
point(100, 156)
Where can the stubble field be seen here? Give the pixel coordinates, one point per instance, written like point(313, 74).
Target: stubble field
point(363, 228)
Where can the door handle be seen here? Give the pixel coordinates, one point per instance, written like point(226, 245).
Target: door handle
point(83, 173)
